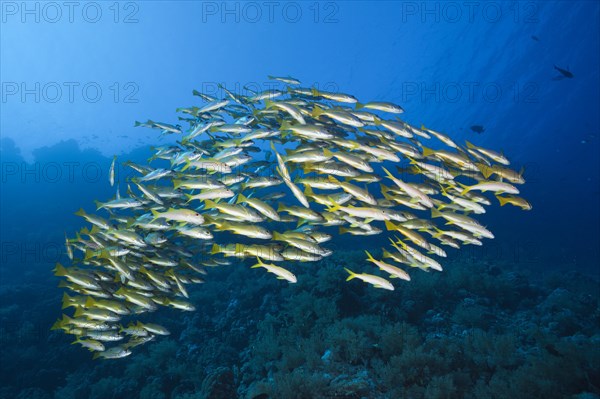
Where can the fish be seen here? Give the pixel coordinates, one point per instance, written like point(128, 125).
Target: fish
point(515, 201)
point(478, 129)
point(261, 176)
point(381, 106)
point(280, 272)
point(375, 281)
point(111, 172)
point(394, 272)
point(565, 73)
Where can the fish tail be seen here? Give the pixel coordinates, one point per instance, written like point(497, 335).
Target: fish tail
point(503, 200)
point(208, 204)
point(57, 325)
point(390, 226)
point(186, 166)
point(90, 302)
point(66, 301)
point(285, 125)
point(334, 206)
point(241, 198)
point(316, 111)
point(359, 106)
point(485, 170)
point(438, 234)
point(435, 213)
point(427, 151)
point(352, 274)
point(387, 172)
point(277, 236)
point(308, 192)
point(155, 213)
point(60, 270)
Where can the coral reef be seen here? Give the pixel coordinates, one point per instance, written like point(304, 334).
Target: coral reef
point(495, 332)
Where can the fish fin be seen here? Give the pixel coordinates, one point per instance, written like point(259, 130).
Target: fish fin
point(78, 312)
point(214, 250)
point(435, 213)
point(317, 111)
point(241, 198)
point(369, 256)
point(485, 170)
point(308, 192)
point(334, 206)
point(351, 276)
point(387, 172)
point(208, 204)
point(60, 270)
point(277, 236)
point(66, 301)
point(503, 200)
point(390, 226)
point(58, 324)
point(358, 106)
point(470, 145)
point(427, 151)
point(332, 179)
point(90, 302)
point(285, 125)
point(187, 165)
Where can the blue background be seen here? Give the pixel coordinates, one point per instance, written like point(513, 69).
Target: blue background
point(449, 64)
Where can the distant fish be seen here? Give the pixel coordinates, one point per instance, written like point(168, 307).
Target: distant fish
point(478, 129)
point(565, 73)
point(111, 172)
point(537, 39)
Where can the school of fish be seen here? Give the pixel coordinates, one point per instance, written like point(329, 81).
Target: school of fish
point(270, 178)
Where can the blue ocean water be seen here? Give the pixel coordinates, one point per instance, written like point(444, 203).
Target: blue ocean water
point(516, 317)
